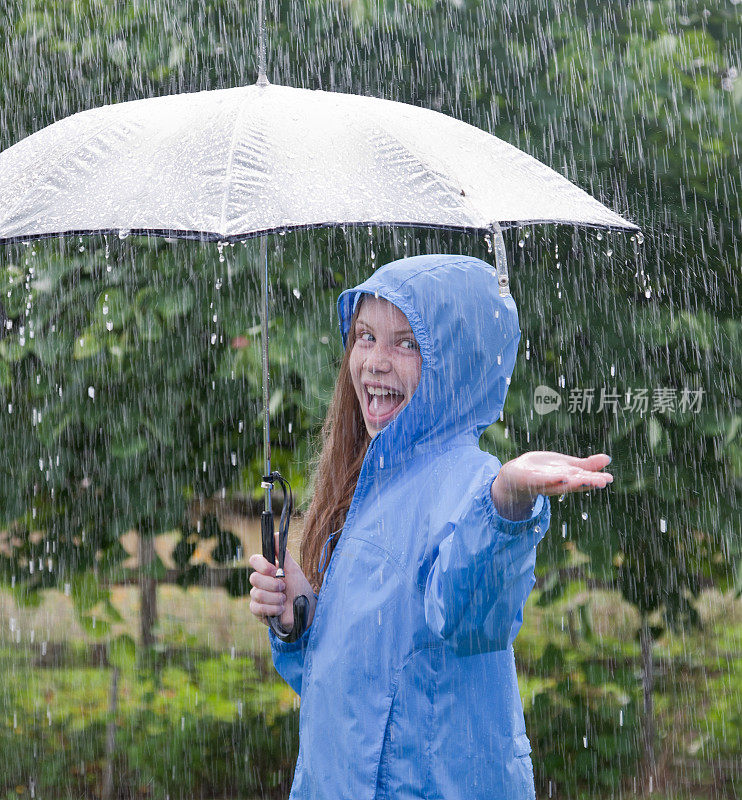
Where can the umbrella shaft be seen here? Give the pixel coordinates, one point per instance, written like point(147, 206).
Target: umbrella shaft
point(261, 42)
point(266, 396)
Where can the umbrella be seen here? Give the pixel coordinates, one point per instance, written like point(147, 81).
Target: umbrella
point(230, 164)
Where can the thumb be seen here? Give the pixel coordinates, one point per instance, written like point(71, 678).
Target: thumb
point(288, 559)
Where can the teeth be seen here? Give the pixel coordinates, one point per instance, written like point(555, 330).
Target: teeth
point(372, 390)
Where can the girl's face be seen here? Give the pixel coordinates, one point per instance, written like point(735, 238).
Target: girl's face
point(384, 363)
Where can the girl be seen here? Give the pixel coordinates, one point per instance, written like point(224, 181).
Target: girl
point(422, 549)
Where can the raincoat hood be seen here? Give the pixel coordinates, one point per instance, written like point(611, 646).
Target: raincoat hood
point(468, 336)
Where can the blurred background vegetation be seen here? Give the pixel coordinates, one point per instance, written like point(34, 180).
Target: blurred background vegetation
point(130, 408)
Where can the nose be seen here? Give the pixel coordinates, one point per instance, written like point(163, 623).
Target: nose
point(378, 360)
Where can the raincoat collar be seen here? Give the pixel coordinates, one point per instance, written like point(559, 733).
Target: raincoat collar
point(468, 336)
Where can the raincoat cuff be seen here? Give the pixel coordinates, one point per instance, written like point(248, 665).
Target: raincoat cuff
point(536, 521)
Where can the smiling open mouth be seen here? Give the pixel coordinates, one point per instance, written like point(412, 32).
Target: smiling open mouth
point(382, 403)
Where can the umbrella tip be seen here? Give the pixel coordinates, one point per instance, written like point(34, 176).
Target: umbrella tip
point(262, 80)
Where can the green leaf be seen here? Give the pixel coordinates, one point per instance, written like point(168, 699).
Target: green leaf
point(238, 582)
point(88, 343)
point(94, 626)
point(129, 448)
point(86, 592)
point(122, 651)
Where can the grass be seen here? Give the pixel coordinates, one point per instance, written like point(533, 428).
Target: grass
point(211, 719)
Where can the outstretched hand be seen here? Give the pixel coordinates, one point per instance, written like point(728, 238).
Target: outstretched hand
point(522, 479)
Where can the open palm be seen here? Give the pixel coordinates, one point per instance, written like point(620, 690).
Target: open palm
point(545, 472)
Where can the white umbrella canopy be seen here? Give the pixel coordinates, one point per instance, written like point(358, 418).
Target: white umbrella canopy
point(232, 163)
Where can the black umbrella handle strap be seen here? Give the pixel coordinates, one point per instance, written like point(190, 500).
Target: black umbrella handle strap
point(301, 603)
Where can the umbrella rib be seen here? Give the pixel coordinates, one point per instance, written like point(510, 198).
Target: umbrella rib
point(50, 165)
point(450, 189)
point(230, 166)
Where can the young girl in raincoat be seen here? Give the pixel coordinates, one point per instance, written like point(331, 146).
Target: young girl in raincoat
point(420, 547)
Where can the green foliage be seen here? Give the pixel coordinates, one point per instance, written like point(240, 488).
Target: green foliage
point(202, 726)
point(583, 725)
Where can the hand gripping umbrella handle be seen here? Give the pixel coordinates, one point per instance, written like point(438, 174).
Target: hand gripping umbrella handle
point(301, 603)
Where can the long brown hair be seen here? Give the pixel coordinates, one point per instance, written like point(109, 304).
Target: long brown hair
point(344, 444)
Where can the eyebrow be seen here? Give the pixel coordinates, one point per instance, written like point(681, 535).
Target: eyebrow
point(396, 333)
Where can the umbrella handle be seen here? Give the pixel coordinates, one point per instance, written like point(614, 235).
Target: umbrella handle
point(301, 603)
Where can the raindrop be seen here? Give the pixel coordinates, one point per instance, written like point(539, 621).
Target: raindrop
point(564, 524)
point(297, 294)
point(124, 233)
point(584, 741)
point(613, 370)
point(599, 237)
point(109, 325)
point(584, 515)
point(91, 392)
point(663, 526)
point(521, 242)
point(609, 253)
point(488, 242)
point(640, 238)
point(291, 425)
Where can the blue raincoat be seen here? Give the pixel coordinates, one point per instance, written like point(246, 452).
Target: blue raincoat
point(406, 675)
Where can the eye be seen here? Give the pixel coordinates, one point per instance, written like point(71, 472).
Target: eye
point(409, 344)
point(363, 334)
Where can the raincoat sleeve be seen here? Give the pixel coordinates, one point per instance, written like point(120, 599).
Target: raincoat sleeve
point(482, 574)
point(288, 659)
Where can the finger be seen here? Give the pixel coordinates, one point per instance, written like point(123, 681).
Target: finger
point(262, 610)
point(266, 582)
point(594, 462)
point(262, 565)
point(268, 597)
point(583, 483)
